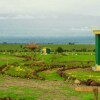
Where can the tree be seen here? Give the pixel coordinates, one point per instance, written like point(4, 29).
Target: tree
point(59, 50)
point(32, 47)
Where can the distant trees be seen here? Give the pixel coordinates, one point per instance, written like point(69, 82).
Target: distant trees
point(71, 43)
point(59, 50)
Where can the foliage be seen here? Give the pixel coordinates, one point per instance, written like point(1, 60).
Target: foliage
point(84, 74)
point(66, 47)
point(51, 75)
point(21, 65)
point(59, 50)
point(19, 72)
point(23, 89)
point(32, 46)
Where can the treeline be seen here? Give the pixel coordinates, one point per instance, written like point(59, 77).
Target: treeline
point(60, 50)
point(54, 47)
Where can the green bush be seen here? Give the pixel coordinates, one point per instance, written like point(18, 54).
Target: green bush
point(59, 50)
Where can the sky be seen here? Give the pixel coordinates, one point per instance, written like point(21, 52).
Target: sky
point(49, 17)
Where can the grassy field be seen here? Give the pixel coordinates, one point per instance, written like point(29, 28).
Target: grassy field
point(51, 75)
point(39, 90)
point(84, 74)
point(9, 59)
point(30, 75)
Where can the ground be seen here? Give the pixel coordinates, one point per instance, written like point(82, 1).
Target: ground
point(39, 90)
point(21, 73)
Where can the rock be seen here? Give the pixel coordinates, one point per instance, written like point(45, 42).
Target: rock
point(77, 82)
point(88, 82)
point(93, 83)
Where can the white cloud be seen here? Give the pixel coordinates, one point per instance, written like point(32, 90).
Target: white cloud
point(47, 6)
point(48, 17)
point(17, 17)
point(84, 29)
point(28, 17)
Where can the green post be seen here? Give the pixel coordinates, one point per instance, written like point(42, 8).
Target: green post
point(97, 46)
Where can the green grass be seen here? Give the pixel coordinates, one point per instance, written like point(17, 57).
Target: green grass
point(51, 58)
point(84, 56)
point(53, 87)
point(84, 74)
point(50, 75)
point(17, 92)
point(24, 89)
point(70, 47)
point(15, 47)
point(9, 59)
point(18, 71)
point(48, 59)
point(20, 47)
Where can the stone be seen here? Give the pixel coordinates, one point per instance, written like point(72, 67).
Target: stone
point(77, 82)
point(88, 81)
point(93, 83)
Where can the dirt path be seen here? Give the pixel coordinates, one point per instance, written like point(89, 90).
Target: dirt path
point(41, 90)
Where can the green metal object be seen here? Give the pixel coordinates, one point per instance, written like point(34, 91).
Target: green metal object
point(48, 50)
point(97, 37)
point(45, 51)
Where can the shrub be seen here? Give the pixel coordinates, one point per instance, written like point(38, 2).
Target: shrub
point(59, 50)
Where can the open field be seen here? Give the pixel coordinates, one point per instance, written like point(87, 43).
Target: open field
point(5, 58)
point(39, 90)
point(30, 75)
point(84, 74)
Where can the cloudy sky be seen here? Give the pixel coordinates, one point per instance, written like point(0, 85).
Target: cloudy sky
point(49, 17)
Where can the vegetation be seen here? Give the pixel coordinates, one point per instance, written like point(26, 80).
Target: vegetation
point(34, 75)
point(84, 74)
point(32, 47)
point(59, 50)
point(39, 90)
point(65, 47)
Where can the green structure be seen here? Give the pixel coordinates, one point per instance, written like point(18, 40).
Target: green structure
point(46, 51)
point(97, 44)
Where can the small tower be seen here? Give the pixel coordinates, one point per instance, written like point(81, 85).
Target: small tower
point(97, 47)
